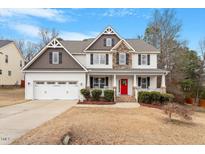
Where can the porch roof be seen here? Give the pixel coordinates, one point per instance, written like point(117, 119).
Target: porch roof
point(128, 71)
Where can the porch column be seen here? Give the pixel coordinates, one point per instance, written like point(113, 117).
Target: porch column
point(114, 87)
point(163, 84)
point(134, 89)
point(88, 81)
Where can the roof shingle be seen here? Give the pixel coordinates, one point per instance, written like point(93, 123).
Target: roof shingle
point(4, 42)
point(79, 46)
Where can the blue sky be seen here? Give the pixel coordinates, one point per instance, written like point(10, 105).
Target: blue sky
point(84, 23)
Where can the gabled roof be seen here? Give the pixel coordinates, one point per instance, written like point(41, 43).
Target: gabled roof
point(54, 43)
point(76, 46)
point(108, 30)
point(4, 42)
point(79, 46)
point(141, 45)
point(123, 42)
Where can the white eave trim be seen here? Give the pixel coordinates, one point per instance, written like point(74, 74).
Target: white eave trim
point(150, 52)
point(49, 46)
point(126, 43)
point(47, 71)
point(85, 50)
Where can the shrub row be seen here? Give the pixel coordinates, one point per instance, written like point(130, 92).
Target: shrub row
point(154, 97)
point(96, 94)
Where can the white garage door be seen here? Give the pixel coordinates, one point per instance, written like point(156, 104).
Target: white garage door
point(67, 90)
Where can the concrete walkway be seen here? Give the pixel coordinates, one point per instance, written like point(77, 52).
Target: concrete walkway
point(16, 120)
point(124, 105)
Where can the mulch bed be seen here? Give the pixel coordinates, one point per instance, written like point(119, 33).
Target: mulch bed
point(157, 106)
point(97, 102)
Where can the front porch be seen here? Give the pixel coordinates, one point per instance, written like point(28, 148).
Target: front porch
point(126, 86)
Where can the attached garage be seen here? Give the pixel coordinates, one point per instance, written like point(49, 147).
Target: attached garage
point(54, 85)
point(54, 73)
point(66, 90)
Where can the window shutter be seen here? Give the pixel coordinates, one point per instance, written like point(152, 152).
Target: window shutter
point(106, 81)
point(113, 42)
point(117, 58)
point(107, 59)
point(127, 58)
point(104, 42)
point(148, 59)
point(148, 82)
point(139, 81)
point(50, 57)
point(139, 59)
point(91, 82)
point(91, 59)
point(60, 57)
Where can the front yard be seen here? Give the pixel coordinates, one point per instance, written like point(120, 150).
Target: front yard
point(143, 125)
point(11, 96)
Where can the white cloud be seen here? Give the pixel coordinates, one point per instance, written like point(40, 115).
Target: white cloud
point(49, 14)
point(77, 35)
point(120, 12)
point(26, 30)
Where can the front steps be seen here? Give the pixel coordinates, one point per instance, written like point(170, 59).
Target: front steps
point(125, 98)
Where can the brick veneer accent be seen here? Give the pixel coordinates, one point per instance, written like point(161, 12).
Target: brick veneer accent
point(125, 98)
point(122, 48)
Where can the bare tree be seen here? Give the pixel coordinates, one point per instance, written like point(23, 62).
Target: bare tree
point(21, 45)
point(46, 35)
point(200, 72)
point(163, 32)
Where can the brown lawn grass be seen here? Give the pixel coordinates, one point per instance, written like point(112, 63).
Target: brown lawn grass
point(143, 125)
point(11, 96)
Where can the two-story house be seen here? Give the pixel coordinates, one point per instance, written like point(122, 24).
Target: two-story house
point(11, 63)
point(63, 67)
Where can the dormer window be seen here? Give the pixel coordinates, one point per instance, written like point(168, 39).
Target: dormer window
point(108, 42)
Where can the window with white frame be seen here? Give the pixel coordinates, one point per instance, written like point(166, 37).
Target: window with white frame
point(122, 58)
point(144, 59)
point(144, 83)
point(108, 42)
point(99, 82)
point(99, 58)
point(55, 57)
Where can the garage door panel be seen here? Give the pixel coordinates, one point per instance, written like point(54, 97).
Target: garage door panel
point(56, 90)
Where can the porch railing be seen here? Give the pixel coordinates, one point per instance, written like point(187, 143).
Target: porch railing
point(103, 89)
point(149, 89)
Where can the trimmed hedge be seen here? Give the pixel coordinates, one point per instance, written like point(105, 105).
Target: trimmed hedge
point(85, 93)
point(109, 95)
point(154, 97)
point(96, 93)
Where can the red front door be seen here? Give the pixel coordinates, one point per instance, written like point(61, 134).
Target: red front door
point(124, 86)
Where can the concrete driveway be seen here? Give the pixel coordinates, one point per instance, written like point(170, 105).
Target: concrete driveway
point(19, 119)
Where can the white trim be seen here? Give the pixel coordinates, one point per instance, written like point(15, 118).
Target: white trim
point(49, 46)
point(126, 43)
point(104, 32)
point(148, 52)
point(47, 71)
point(96, 51)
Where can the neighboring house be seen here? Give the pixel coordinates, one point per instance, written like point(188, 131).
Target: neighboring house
point(62, 68)
point(11, 63)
